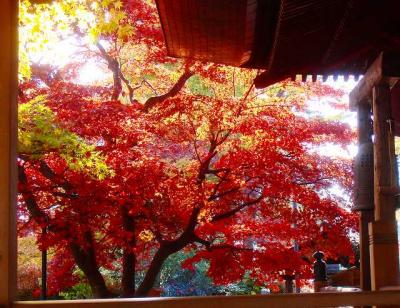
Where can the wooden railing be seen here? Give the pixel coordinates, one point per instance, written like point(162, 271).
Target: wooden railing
point(381, 298)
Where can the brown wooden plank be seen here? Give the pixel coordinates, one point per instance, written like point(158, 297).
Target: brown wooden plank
point(270, 301)
point(8, 86)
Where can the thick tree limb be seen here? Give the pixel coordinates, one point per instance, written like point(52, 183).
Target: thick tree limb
point(34, 210)
point(153, 101)
point(114, 66)
point(128, 85)
point(46, 171)
point(166, 249)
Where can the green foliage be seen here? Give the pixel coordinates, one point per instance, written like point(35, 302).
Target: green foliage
point(78, 291)
point(247, 286)
point(198, 87)
point(176, 281)
point(39, 134)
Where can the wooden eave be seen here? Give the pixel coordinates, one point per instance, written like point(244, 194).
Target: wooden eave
point(283, 37)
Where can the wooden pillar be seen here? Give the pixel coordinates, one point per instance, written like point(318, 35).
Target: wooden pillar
point(384, 156)
point(383, 232)
point(383, 72)
point(366, 217)
point(365, 205)
point(8, 90)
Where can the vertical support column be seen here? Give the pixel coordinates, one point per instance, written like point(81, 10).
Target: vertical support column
point(383, 232)
point(365, 203)
point(8, 93)
point(384, 156)
point(366, 217)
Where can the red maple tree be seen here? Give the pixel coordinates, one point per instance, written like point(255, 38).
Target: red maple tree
point(122, 179)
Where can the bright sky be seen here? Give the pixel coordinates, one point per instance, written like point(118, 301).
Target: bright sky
point(61, 53)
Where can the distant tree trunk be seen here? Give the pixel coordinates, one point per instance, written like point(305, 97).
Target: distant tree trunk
point(128, 257)
point(86, 261)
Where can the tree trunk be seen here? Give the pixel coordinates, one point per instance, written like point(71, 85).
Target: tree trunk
point(166, 249)
point(128, 257)
point(86, 261)
point(155, 266)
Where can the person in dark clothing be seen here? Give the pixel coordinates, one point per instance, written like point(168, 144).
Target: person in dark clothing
point(320, 277)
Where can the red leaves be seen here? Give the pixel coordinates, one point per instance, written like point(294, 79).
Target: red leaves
point(239, 159)
point(167, 162)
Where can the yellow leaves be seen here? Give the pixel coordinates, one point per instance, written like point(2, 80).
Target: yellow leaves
point(187, 167)
point(247, 142)
point(125, 31)
point(42, 27)
point(118, 4)
point(106, 3)
point(202, 132)
point(39, 133)
point(204, 215)
point(24, 68)
point(146, 236)
point(94, 34)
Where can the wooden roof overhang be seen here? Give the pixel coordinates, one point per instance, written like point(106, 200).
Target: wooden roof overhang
point(283, 37)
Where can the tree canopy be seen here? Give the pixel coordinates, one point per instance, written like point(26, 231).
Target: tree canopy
point(157, 156)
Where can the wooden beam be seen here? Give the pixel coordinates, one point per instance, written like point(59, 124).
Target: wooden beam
point(8, 93)
point(385, 69)
point(271, 301)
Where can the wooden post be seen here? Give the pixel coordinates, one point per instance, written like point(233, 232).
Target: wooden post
point(8, 91)
point(384, 156)
point(384, 72)
point(366, 216)
point(383, 232)
point(364, 127)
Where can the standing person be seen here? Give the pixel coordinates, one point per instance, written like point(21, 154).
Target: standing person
point(320, 278)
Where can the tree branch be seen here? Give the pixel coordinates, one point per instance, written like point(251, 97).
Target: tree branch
point(216, 195)
point(153, 101)
point(113, 65)
point(210, 246)
point(52, 176)
point(236, 209)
